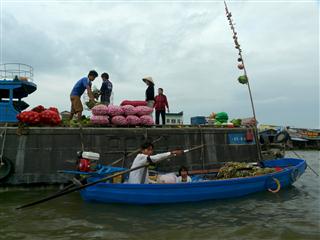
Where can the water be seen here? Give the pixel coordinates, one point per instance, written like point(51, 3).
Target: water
point(293, 213)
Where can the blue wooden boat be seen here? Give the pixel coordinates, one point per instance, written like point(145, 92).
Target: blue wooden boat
point(291, 170)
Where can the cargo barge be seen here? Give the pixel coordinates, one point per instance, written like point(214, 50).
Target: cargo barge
point(36, 154)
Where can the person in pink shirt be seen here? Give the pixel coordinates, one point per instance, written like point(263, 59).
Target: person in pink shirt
point(160, 105)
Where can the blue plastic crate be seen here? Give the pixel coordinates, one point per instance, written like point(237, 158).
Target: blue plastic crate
point(198, 120)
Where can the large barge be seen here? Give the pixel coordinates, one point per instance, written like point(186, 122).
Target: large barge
point(36, 154)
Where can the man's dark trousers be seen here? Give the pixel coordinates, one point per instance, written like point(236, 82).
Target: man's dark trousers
point(163, 116)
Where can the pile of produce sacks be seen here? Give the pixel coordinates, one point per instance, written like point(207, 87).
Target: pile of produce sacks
point(40, 115)
point(100, 115)
point(122, 115)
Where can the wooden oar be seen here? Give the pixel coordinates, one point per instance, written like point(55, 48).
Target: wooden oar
point(133, 153)
point(100, 180)
point(121, 159)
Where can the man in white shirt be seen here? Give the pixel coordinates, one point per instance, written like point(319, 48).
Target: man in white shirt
point(141, 176)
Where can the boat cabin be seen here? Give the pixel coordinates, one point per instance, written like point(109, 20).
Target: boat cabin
point(16, 83)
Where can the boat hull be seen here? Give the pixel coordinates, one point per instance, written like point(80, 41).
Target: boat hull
point(197, 191)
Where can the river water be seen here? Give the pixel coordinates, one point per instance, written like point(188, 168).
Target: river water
point(293, 213)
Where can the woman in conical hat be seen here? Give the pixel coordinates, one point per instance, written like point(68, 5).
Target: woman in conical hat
point(149, 91)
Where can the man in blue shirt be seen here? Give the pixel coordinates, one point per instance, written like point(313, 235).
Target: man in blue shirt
point(77, 91)
point(106, 89)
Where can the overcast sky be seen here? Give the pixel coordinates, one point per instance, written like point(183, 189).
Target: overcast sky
point(187, 48)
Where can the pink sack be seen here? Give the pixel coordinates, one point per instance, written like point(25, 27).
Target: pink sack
point(129, 110)
point(119, 120)
point(114, 110)
point(146, 120)
point(143, 110)
point(133, 120)
point(101, 120)
point(134, 103)
point(100, 110)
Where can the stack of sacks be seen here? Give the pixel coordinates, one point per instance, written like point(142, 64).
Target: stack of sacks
point(122, 116)
point(100, 116)
point(143, 110)
point(138, 115)
point(40, 115)
point(130, 113)
point(116, 114)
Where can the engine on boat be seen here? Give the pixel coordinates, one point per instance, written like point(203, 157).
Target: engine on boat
point(87, 161)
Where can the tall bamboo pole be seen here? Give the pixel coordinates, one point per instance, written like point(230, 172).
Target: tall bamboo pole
point(241, 66)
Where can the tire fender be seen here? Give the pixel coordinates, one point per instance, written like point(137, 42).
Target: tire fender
point(6, 168)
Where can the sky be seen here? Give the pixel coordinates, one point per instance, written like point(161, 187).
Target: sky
point(186, 46)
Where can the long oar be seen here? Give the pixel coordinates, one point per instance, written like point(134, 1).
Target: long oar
point(133, 153)
point(121, 159)
point(100, 180)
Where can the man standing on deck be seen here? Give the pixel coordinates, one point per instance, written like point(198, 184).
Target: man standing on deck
point(77, 91)
point(161, 103)
point(106, 89)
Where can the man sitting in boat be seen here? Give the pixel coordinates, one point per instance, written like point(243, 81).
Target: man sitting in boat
point(142, 175)
point(183, 175)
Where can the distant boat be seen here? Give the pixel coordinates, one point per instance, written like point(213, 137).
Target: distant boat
point(288, 171)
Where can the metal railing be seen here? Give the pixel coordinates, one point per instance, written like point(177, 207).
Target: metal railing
point(10, 71)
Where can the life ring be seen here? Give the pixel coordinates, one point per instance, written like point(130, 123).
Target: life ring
point(278, 185)
point(294, 175)
point(6, 168)
point(281, 137)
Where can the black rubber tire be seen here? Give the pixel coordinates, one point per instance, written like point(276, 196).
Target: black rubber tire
point(6, 169)
point(281, 137)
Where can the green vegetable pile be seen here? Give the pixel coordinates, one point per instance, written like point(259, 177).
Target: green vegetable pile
point(240, 169)
point(222, 117)
point(85, 121)
point(236, 122)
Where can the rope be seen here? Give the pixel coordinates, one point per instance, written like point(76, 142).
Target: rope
point(81, 138)
point(248, 82)
point(202, 149)
point(306, 163)
point(4, 140)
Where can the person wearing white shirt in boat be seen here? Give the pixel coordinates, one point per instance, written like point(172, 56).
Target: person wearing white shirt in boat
point(141, 176)
point(183, 176)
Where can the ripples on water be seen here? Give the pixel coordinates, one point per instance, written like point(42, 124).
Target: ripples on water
point(293, 213)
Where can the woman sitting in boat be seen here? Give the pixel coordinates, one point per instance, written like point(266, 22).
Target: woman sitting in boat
point(183, 175)
point(142, 175)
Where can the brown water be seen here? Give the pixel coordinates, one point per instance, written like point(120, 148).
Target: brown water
point(293, 213)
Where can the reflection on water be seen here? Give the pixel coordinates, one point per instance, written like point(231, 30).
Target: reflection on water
point(293, 213)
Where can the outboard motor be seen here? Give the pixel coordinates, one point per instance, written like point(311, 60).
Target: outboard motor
point(87, 161)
